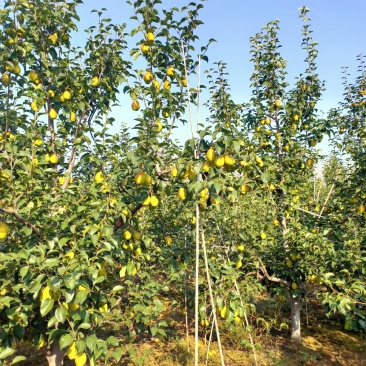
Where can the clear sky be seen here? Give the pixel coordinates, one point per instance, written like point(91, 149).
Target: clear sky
point(338, 26)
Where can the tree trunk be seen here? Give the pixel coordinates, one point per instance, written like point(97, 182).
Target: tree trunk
point(55, 355)
point(295, 319)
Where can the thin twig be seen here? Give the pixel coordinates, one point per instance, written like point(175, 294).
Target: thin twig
point(310, 213)
point(326, 200)
point(199, 92)
point(188, 90)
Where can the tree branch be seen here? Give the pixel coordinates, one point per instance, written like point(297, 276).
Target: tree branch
point(20, 219)
point(271, 278)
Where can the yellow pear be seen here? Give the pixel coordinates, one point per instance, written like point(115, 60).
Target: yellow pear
point(223, 312)
point(80, 359)
point(127, 235)
point(46, 293)
point(5, 79)
point(4, 230)
point(174, 172)
point(165, 113)
point(99, 177)
point(66, 95)
point(38, 142)
point(94, 82)
point(34, 106)
point(206, 166)
point(219, 161)
point(52, 113)
point(167, 85)
point(210, 155)
point(156, 84)
point(135, 105)
point(244, 189)
point(53, 38)
point(150, 36)
point(142, 178)
point(71, 351)
point(276, 222)
point(102, 271)
point(148, 77)
point(289, 263)
point(170, 71)
point(229, 160)
point(16, 69)
point(145, 48)
point(214, 201)
point(154, 201)
point(182, 193)
point(159, 126)
point(72, 116)
point(147, 201)
point(53, 158)
point(127, 212)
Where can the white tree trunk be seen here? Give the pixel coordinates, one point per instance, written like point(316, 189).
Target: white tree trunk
point(295, 319)
point(55, 355)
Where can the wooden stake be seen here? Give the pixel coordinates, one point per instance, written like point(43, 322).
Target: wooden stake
point(211, 295)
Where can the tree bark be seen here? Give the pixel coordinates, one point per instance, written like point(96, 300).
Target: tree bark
point(295, 319)
point(55, 355)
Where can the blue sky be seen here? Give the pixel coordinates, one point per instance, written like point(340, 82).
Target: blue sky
point(337, 25)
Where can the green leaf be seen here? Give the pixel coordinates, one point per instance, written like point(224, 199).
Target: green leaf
point(113, 341)
point(6, 353)
point(65, 341)
point(265, 176)
point(51, 262)
point(60, 314)
point(63, 241)
point(23, 254)
point(118, 288)
point(46, 306)
point(130, 268)
point(91, 342)
point(84, 326)
point(70, 281)
point(18, 359)
point(99, 280)
point(5, 300)
point(51, 322)
point(24, 271)
point(122, 272)
point(154, 330)
point(117, 354)
point(27, 230)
